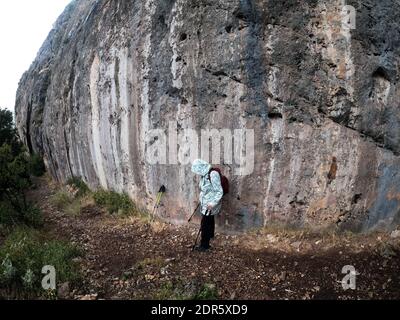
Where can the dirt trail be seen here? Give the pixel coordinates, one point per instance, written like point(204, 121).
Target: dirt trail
point(127, 258)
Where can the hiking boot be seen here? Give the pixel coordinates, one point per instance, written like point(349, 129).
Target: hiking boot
point(201, 248)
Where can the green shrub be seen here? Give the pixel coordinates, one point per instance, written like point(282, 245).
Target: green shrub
point(114, 202)
point(207, 292)
point(8, 215)
point(14, 181)
point(14, 176)
point(181, 291)
point(60, 255)
point(65, 201)
point(32, 216)
point(29, 215)
point(74, 208)
point(24, 254)
point(7, 271)
point(167, 292)
point(36, 165)
point(8, 132)
point(78, 183)
point(16, 169)
point(61, 199)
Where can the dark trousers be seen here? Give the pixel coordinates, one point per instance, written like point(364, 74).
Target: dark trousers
point(207, 230)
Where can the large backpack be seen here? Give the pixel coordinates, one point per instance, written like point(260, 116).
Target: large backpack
point(224, 180)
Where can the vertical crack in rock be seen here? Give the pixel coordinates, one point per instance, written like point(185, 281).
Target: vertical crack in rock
point(95, 124)
point(71, 174)
point(28, 138)
point(252, 31)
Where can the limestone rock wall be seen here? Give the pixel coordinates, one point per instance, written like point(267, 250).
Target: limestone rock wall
point(323, 102)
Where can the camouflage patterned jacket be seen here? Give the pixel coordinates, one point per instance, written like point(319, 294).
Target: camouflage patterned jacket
point(211, 191)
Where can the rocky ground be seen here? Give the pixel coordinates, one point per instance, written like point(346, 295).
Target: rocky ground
point(130, 258)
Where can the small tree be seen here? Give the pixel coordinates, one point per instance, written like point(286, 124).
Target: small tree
point(8, 133)
point(14, 178)
point(16, 166)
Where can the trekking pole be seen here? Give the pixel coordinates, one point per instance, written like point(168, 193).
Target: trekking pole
point(191, 217)
point(198, 234)
point(158, 200)
point(197, 238)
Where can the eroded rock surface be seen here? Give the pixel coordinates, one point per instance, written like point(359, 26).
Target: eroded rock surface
point(323, 101)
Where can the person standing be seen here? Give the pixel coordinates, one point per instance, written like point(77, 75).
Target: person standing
point(211, 193)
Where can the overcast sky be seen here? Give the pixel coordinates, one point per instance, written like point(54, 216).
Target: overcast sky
point(24, 25)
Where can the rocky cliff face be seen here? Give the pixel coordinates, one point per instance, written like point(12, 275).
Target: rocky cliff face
point(322, 99)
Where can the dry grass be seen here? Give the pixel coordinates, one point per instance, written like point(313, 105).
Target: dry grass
point(151, 262)
point(61, 199)
point(281, 238)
